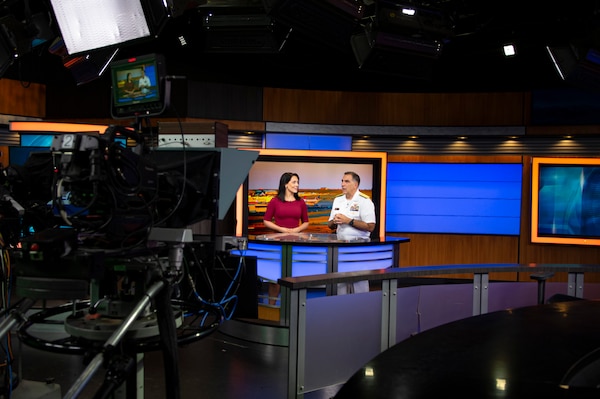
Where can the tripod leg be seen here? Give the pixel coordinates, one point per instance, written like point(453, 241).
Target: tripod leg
point(168, 334)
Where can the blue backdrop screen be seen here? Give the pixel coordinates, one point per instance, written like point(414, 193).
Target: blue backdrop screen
point(454, 198)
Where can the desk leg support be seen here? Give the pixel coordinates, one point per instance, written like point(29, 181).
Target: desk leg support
point(389, 306)
point(575, 285)
point(286, 270)
point(297, 344)
point(480, 293)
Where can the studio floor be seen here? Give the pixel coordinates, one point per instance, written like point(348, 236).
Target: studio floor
point(218, 366)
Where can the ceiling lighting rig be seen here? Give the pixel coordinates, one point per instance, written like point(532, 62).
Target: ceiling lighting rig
point(403, 38)
point(22, 28)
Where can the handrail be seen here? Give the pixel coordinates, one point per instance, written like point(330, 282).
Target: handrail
point(296, 283)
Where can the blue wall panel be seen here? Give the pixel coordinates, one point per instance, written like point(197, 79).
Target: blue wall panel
point(308, 142)
point(454, 198)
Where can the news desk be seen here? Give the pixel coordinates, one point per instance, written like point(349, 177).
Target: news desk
point(302, 254)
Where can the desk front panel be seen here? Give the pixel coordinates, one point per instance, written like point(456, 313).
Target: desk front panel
point(274, 258)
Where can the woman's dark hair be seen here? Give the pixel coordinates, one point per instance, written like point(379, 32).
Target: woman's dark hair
point(285, 179)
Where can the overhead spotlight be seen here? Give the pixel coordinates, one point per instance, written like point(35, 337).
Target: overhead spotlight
point(509, 50)
point(409, 19)
point(247, 33)
point(409, 11)
point(576, 65)
point(87, 25)
point(7, 56)
point(395, 54)
point(327, 22)
point(402, 39)
point(564, 59)
point(16, 35)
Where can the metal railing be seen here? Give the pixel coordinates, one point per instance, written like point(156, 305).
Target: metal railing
point(312, 321)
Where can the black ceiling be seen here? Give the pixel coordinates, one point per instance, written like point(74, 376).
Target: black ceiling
point(316, 51)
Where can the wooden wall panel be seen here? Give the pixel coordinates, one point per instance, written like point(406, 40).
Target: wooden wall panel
point(439, 249)
point(394, 109)
point(442, 249)
point(224, 101)
point(4, 156)
point(18, 98)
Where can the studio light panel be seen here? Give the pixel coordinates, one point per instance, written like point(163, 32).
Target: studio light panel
point(86, 25)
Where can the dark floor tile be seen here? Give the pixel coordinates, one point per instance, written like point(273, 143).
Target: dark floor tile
point(216, 367)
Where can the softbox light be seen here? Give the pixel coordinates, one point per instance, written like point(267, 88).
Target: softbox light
point(87, 25)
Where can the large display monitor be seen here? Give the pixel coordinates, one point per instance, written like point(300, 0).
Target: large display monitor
point(138, 86)
point(454, 198)
point(565, 201)
point(320, 174)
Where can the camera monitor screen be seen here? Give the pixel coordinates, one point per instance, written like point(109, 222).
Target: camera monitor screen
point(138, 87)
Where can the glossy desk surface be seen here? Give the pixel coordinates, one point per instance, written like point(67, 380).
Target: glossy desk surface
point(521, 353)
point(321, 238)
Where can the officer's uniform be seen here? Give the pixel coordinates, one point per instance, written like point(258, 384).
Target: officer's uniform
point(360, 207)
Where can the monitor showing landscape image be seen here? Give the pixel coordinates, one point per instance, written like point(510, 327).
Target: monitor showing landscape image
point(320, 175)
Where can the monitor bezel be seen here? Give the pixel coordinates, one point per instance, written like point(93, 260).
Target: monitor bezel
point(138, 106)
point(537, 237)
point(379, 178)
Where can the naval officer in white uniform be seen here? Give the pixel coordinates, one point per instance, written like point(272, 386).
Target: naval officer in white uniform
point(352, 216)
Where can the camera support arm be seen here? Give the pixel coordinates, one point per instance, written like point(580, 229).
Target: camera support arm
point(114, 339)
point(17, 315)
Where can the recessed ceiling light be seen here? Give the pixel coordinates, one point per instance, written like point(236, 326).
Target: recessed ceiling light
point(509, 50)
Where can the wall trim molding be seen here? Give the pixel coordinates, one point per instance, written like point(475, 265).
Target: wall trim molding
point(354, 130)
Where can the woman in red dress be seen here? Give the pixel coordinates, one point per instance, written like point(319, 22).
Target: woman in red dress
point(286, 213)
